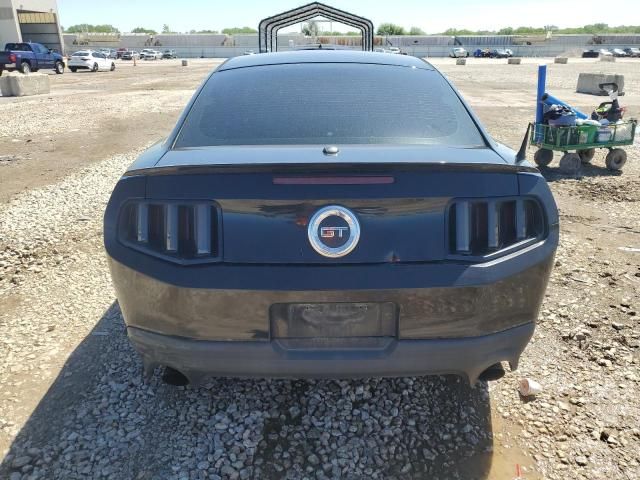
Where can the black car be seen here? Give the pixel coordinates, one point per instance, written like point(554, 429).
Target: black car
point(169, 54)
point(296, 223)
point(591, 54)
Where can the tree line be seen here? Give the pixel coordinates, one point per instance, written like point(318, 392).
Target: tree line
point(594, 29)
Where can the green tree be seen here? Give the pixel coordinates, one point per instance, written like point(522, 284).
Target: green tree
point(236, 30)
point(204, 31)
point(87, 27)
point(310, 29)
point(144, 30)
point(166, 29)
point(416, 31)
point(390, 29)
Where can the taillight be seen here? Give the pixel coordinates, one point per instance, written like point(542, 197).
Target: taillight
point(185, 232)
point(488, 226)
point(13, 58)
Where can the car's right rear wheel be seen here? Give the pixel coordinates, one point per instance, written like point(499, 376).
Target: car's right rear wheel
point(25, 68)
point(94, 68)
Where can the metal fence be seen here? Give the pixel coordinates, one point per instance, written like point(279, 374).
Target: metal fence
point(433, 51)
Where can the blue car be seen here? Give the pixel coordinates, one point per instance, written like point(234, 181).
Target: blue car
point(296, 223)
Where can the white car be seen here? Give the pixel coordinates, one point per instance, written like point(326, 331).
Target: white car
point(459, 53)
point(150, 54)
point(90, 60)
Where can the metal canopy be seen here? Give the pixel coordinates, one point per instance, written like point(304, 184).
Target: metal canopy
point(269, 27)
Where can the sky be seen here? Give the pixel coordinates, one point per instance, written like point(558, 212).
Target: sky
point(430, 16)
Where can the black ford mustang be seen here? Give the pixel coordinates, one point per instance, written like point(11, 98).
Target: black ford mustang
point(329, 213)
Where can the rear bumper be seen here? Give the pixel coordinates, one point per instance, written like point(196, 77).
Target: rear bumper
point(467, 357)
point(451, 318)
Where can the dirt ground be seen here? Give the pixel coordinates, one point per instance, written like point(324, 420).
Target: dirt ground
point(73, 404)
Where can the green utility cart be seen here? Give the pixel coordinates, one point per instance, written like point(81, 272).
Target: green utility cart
point(584, 140)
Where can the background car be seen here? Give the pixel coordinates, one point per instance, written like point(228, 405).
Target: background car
point(169, 54)
point(90, 60)
point(120, 52)
point(632, 51)
point(130, 55)
point(618, 52)
point(509, 52)
point(30, 57)
point(499, 53)
point(482, 53)
point(150, 54)
point(590, 53)
point(458, 52)
point(604, 52)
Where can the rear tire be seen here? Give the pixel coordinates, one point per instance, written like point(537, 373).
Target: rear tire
point(59, 68)
point(94, 68)
point(616, 159)
point(543, 157)
point(73, 69)
point(113, 66)
point(25, 68)
point(570, 163)
point(587, 155)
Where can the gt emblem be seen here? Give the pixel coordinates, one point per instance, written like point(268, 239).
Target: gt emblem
point(333, 231)
point(330, 232)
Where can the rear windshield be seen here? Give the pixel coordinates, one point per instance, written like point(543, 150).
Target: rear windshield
point(81, 54)
point(319, 103)
point(18, 47)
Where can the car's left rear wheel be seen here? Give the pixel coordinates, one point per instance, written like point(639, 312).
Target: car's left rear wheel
point(94, 68)
point(59, 68)
point(113, 66)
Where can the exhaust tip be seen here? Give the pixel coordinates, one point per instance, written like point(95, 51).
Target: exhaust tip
point(494, 372)
point(173, 377)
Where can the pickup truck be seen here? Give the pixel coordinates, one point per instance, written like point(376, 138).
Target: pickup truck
point(30, 57)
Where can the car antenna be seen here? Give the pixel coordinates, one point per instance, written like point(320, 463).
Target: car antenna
point(521, 156)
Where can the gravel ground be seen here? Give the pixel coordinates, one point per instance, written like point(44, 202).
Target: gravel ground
point(73, 403)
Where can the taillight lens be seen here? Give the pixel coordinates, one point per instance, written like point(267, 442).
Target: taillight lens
point(184, 232)
point(12, 58)
point(491, 226)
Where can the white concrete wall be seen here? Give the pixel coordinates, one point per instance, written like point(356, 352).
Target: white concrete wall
point(9, 29)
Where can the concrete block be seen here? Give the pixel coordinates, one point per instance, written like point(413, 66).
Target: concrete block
point(5, 90)
point(607, 58)
point(461, 61)
point(19, 85)
point(588, 83)
point(561, 60)
point(185, 63)
point(514, 61)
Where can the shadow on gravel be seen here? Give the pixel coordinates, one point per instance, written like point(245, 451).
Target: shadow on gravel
point(553, 174)
point(99, 419)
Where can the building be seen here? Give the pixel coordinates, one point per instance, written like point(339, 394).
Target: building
point(30, 21)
